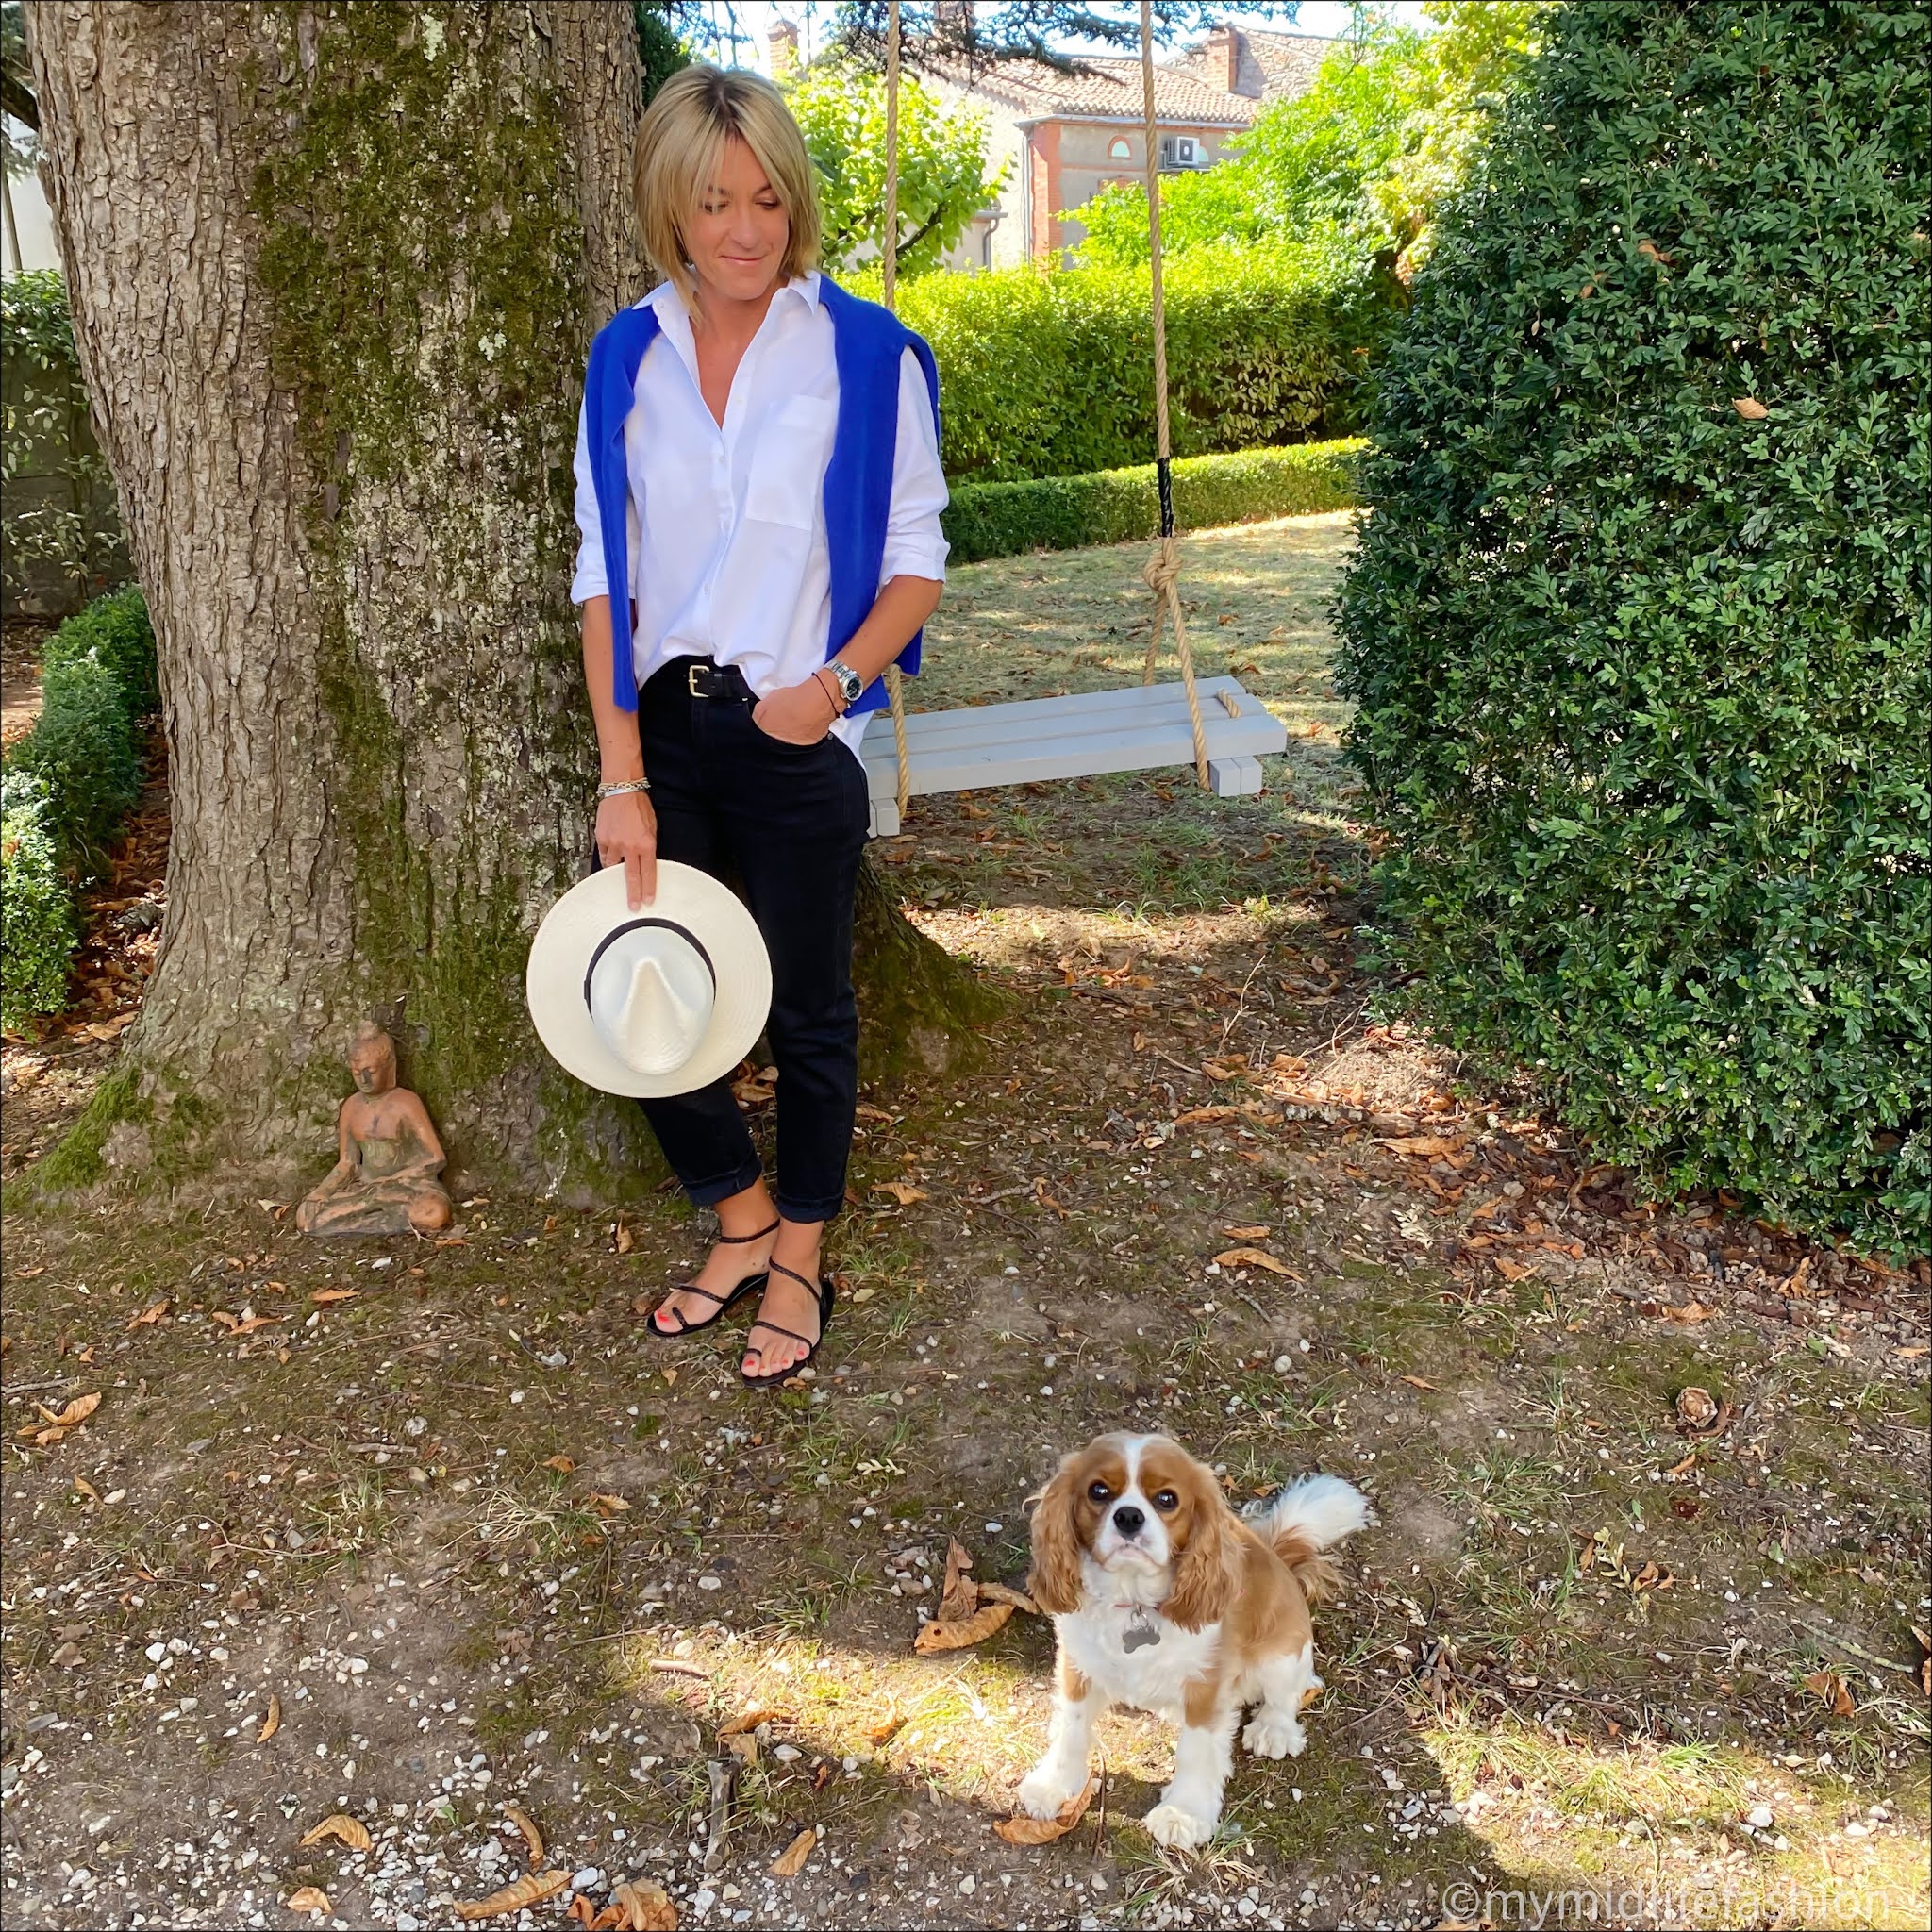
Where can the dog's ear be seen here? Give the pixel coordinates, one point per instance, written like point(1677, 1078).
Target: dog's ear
point(1055, 1584)
point(1207, 1568)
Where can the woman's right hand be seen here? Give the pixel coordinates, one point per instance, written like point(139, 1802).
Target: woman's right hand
point(627, 836)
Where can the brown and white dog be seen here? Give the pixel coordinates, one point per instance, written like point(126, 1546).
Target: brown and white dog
point(1163, 1598)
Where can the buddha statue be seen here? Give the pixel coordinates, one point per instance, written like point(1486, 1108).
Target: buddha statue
point(388, 1157)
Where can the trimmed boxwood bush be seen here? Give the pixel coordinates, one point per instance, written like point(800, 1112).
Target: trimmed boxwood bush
point(68, 785)
point(1639, 623)
point(37, 922)
point(1117, 506)
point(1050, 372)
point(115, 631)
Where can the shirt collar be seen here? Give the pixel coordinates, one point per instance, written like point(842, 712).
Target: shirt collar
point(668, 303)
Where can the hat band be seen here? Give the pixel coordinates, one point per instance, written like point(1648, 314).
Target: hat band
point(617, 932)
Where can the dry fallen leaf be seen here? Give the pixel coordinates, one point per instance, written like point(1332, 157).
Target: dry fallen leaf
point(958, 1598)
point(645, 1907)
point(1044, 1831)
point(150, 1315)
point(1248, 1234)
point(1255, 1257)
point(607, 1505)
point(902, 1191)
point(586, 1915)
point(526, 1830)
point(1831, 1686)
point(272, 1722)
point(532, 1890)
point(1691, 1311)
point(309, 1898)
point(323, 1297)
point(1750, 408)
point(1697, 1408)
point(1418, 1382)
point(791, 1861)
point(886, 1729)
point(561, 1464)
point(340, 1825)
point(236, 1324)
point(82, 1487)
point(977, 1628)
point(53, 1428)
point(1004, 1593)
point(623, 1240)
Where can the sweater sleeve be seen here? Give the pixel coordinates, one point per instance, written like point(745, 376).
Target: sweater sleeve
point(915, 545)
point(589, 580)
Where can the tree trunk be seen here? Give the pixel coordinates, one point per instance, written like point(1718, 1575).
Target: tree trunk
point(334, 270)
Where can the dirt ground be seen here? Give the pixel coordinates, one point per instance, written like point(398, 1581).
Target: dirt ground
point(405, 1531)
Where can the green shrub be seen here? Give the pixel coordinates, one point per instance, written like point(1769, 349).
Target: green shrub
point(37, 924)
point(115, 631)
point(1638, 623)
point(60, 535)
point(82, 749)
point(1051, 372)
point(1117, 506)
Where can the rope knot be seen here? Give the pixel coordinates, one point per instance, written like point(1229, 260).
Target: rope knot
point(1162, 570)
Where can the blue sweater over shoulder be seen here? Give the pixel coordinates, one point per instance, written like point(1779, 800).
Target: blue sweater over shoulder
point(869, 342)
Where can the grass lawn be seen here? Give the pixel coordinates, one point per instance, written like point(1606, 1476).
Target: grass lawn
point(446, 1515)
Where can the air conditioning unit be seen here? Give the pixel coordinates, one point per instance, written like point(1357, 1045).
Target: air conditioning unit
point(1179, 151)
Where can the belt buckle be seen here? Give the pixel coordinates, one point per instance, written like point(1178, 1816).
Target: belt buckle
point(692, 673)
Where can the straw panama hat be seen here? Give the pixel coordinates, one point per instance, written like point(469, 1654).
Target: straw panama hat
point(652, 1003)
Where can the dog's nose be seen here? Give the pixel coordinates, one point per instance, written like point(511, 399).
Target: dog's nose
point(1128, 1520)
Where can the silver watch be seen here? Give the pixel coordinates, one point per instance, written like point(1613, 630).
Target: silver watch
point(850, 683)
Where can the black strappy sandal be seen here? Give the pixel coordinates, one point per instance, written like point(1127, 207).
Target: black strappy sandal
point(722, 1303)
point(826, 1298)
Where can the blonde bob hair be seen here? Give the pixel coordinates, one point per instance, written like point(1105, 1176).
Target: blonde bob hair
point(679, 141)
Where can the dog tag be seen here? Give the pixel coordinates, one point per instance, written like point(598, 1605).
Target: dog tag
point(1139, 1635)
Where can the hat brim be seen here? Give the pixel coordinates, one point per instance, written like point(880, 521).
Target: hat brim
point(571, 933)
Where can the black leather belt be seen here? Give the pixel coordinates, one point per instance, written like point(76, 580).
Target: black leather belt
point(702, 678)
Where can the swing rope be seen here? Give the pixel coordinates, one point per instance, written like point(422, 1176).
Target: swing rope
point(1163, 568)
point(1162, 571)
point(895, 683)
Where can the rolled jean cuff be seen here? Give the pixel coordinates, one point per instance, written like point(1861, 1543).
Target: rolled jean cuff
point(811, 1211)
point(708, 1193)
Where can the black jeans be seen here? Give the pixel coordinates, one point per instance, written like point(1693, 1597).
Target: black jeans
point(790, 821)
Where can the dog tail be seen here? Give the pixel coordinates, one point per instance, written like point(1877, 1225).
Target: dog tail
point(1306, 1519)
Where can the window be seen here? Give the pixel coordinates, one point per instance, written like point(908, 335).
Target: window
point(1119, 149)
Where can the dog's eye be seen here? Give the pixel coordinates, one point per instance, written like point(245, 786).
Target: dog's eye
point(1165, 1499)
point(1099, 1493)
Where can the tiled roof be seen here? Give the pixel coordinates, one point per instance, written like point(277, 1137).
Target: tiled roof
point(1271, 67)
point(1107, 86)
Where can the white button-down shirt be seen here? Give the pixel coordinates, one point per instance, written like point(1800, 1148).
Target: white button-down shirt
point(732, 563)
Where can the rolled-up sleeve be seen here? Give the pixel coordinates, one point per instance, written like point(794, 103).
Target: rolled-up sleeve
point(915, 545)
point(590, 580)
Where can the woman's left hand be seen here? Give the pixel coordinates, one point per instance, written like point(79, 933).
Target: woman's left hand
point(799, 714)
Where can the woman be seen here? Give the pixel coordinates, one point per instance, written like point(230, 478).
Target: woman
point(762, 450)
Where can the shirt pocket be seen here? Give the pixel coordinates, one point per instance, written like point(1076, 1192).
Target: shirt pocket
point(788, 467)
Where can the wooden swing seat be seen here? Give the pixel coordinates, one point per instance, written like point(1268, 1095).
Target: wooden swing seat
point(1138, 729)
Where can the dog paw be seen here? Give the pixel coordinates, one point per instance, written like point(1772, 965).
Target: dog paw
point(1179, 1830)
point(1044, 1791)
point(1271, 1735)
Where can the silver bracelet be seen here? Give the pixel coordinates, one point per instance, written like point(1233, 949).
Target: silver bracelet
point(618, 790)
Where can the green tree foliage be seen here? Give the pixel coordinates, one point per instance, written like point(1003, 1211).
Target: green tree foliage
point(1639, 626)
point(1345, 180)
point(662, 47)
point(943, 180)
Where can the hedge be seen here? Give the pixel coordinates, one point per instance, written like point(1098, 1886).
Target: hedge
point(1050, 372)
point(37, 922)
point(1639, 624)
point(1118, 505)
point(69, 783)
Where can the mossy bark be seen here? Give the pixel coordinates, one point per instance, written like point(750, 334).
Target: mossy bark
point(334, 269)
